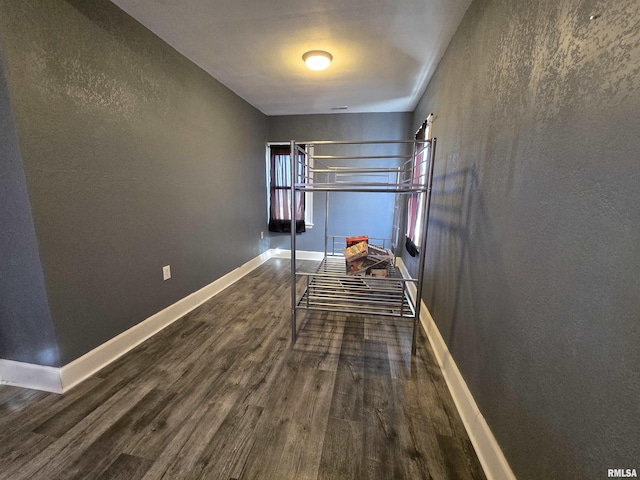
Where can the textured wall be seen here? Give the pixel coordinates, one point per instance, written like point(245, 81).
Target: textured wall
point(134, 159)
point(26, 330)
point(374, 215)
point(533, 262)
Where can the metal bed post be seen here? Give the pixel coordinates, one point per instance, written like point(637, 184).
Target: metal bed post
point(293, 211)
point(397, 221)
point(426, 203)
point(326, 227)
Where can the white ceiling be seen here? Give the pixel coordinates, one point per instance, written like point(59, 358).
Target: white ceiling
point(384, 51)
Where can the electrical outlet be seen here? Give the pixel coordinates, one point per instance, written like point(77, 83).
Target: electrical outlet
point(166, 272)
point(261, 235)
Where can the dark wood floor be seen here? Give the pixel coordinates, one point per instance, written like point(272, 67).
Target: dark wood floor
point(222, 394)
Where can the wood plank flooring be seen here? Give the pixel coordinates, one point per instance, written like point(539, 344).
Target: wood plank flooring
point(222, 394)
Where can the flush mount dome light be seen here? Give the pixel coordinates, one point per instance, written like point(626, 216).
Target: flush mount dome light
point(317, 59)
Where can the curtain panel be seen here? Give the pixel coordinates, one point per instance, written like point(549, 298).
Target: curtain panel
point(280, 193)
point(412, 243)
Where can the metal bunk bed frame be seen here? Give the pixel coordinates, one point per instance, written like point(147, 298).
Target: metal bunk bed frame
point(330, 288)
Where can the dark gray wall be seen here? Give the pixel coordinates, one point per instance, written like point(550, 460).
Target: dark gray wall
point(374, 211)
point(26, 330)
point(533, 261)
point(134, 159)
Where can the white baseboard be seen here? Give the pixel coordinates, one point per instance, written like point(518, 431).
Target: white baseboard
point(60, 380)
point(489, 453)
point(300, 254)
point(28, 375)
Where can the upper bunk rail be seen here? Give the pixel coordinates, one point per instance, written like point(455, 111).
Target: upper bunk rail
point(354, 170)
point(356, 157)
point(366, 187)
point(360, 142)
point(401, 171)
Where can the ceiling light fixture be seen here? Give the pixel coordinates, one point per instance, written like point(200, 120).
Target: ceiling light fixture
point(317, 59)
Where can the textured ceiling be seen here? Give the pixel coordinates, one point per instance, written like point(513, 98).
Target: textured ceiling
point(384, 51)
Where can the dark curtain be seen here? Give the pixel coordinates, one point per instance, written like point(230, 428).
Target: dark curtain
point(280, 193)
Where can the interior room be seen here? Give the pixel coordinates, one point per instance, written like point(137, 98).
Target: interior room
point(158, 318)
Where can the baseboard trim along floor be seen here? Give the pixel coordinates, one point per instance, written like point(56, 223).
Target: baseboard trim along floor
point(29, 375)
point(489, 453)
point(60, 380)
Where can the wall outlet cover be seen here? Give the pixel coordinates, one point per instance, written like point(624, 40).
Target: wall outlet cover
point(166, 272)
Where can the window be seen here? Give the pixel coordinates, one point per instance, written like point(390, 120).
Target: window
point(279, 180)
point(415, 213)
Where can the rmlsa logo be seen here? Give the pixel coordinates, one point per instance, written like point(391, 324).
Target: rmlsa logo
point(622, 473)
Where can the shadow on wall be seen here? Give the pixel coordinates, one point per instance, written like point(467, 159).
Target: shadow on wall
point(451, 204)
point(469, 289)
point(465, 274)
